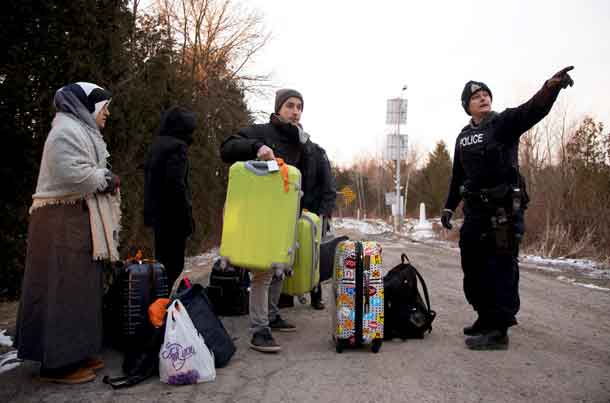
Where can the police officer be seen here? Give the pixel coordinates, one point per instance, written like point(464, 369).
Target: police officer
point(486, 176)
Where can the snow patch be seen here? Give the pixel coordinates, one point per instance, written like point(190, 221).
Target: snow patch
point(9, 361)
point(200, 259)
point(370, 227)
point(584, 267)
point(5, 340)
point(586, 285)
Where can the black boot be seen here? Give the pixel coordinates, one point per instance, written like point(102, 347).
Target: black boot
point(476, 328)
point(490, 340)
point(316, 298)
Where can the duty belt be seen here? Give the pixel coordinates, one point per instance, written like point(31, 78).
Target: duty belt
point(509, 196)
point(496, 194)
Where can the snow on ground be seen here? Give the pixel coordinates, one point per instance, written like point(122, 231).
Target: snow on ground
point(200, 259)
point(423, 232)
point(371, 227)
point(586, 267)
point(9, 361)
point(572, 281)
point(5, 340)
point(419, 230)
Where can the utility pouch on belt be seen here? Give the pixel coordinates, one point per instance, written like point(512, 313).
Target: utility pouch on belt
point(503, 232)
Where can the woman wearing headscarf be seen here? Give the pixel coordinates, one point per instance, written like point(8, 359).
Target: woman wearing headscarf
point(73, 227)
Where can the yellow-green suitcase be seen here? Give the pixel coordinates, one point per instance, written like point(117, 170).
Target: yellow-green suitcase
point(306, 272)
point(260, 215)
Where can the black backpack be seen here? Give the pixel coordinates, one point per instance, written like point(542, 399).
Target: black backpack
point(406, 314)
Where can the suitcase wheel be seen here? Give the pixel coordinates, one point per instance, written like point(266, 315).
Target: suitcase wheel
point(376, 346)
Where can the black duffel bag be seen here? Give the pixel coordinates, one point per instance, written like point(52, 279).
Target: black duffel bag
point(207, 323)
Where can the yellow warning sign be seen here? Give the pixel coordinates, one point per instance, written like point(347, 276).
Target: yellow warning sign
point(348, 195)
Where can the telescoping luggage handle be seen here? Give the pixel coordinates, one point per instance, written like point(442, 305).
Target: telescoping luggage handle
point(404, 257)
point(261, 168)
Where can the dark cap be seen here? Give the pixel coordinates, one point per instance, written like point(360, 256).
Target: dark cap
point(282, 95)
point(469, 90)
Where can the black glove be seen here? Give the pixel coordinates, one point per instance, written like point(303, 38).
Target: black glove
point(561, 79)
point(446, 218)
point(113, 183)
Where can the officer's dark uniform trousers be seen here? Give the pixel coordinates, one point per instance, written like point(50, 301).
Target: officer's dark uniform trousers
point(486, 158)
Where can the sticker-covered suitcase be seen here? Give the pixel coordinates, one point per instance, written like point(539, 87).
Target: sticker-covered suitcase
point(358, 290)
point(306, 272)
point(260, 215)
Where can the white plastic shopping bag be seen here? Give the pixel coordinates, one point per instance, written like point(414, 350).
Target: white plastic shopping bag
point(184, 358)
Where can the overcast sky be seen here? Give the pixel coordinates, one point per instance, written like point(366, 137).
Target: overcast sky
point(348, 57)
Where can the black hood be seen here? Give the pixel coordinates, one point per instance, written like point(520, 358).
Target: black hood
point(180, 123)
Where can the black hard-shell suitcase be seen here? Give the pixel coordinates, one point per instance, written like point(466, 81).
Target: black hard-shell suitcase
point(141, 283)
point(229, 290)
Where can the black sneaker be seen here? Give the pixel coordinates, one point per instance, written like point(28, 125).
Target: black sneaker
point(316, 298)
point(281, 325)
point(263, 341)
point(318, 304)
point(491, 340)
point(475, 329)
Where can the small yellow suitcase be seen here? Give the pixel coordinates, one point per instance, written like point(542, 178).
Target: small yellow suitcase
point(306, 273)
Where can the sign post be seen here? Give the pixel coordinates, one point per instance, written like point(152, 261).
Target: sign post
point(397, 145)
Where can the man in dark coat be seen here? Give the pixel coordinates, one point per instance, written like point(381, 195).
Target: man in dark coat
point(167, 192)
point(282, 137)
point(486, 176)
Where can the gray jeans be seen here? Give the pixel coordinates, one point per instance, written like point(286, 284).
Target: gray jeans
point(265, 290)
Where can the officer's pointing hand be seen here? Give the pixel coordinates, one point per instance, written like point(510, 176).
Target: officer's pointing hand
point(561, 79)
point(446, 218)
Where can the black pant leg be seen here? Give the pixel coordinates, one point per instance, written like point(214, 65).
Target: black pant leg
point(316, 294)
point(473, 259)
point(169, 250)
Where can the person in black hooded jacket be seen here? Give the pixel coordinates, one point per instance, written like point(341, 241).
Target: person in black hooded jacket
point(167, 192)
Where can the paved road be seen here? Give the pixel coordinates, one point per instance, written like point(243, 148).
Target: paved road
point(560, 352)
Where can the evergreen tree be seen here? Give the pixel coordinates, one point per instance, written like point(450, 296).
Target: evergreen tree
point(430, 184)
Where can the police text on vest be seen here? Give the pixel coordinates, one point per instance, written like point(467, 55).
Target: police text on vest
point(472, 139)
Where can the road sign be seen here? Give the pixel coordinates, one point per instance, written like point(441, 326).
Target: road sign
point(348, 195)
point(392, 146)
point(396, 110)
